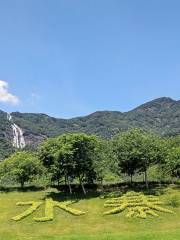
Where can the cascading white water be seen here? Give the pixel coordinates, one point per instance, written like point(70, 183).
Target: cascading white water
point(18, 138)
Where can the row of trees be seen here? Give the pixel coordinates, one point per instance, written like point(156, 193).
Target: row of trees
point(87, 158)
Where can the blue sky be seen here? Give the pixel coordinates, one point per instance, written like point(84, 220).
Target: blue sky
point(69, 58)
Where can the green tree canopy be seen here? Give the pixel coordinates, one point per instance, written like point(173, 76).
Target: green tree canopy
point(136, 150)
point(22, 167)
point(73, 156)
point(173, 162)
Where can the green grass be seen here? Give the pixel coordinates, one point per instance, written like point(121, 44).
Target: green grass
point(91, 226)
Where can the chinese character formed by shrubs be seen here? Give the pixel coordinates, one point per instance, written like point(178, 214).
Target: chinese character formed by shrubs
point(137, 204)
point(33, 207)
point(49, 209)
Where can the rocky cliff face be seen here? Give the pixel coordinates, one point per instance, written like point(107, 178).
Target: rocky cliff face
point(160, 115)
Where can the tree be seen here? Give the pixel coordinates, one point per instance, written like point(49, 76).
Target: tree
point(63, 164)
point(55, 156)
point(85, 152)
point(153, 151)
point(72, 156)
point(126, 152)
point(22, 167)
point(136, 150)
point(172, 163)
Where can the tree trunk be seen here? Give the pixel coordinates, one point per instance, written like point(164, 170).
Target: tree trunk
point(22, 184)
point(69, 185)
point(82, 185)
point(146, 178)
point(131, 179)
point(65, 180)
point(58, 182)
point(143, 178)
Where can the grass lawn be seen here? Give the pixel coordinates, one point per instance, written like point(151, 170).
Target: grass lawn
point(91, 226)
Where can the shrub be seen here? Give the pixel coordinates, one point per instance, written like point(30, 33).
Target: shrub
point(34, 206)
point(137, 204)
point(49, 210)
point(111, 195)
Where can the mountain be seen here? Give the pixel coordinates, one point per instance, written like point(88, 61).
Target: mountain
point(161, 115)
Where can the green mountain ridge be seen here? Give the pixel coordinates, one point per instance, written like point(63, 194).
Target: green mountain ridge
point(161, 115)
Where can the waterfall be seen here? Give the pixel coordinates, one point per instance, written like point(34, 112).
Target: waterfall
point(18, 138)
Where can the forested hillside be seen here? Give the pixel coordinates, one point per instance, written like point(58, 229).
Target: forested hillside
point(161, 115)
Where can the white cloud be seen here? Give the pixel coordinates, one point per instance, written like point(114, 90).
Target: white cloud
point(5, 95)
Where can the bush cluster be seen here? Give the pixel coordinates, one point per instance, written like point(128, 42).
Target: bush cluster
point(33, 206)
point(137, 204)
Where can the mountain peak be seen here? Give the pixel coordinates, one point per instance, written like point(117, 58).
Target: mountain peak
point(156, 105)
point(164, 100)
